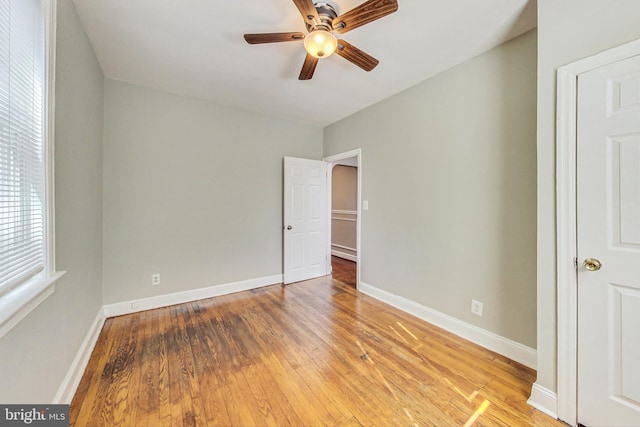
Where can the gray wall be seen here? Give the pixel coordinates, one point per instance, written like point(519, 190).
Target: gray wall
point(192, 190)
point(36, 354)
point(568, 30)
point(449, 171)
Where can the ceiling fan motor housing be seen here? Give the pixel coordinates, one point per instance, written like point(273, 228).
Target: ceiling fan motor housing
point(327, 14)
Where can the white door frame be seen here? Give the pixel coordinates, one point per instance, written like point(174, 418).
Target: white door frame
point(566, 244)
point(331, 159)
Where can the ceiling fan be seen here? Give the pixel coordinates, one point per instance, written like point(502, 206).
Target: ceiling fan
point(322, 21)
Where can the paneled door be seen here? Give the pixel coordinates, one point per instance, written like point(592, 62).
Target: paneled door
point(608, 201)
point(305, 219)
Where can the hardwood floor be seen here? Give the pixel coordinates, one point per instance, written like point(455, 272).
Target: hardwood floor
point(312, 353)
point(343, 270)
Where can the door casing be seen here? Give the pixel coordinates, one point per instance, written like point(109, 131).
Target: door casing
point(566, 211)
point(332, 159)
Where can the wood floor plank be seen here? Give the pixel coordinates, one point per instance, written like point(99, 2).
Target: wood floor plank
point(190, 368)
point(126, 376)
point(311, 353)
point(214, 407)
point(148, 414)
point(92, 388)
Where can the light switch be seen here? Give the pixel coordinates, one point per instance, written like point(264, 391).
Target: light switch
point(365, 205)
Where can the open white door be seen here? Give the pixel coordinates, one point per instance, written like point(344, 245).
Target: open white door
point(305, 219)
point(608, 190)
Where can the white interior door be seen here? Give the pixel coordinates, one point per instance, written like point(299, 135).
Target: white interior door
point(608, 189)
point(305, 219)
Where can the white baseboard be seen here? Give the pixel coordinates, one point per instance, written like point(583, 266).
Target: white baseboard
point(494, 342)
point(71, 381)
point(344, 255)
point(544, 400)
point(133, 306)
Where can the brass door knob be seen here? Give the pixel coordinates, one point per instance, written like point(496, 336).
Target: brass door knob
point(592, 264)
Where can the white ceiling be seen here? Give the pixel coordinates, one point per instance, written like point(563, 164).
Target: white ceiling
point(195, 47)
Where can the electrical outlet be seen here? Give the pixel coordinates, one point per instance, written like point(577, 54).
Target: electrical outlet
point(476, 307)
point(135, 305)
point(155, 279)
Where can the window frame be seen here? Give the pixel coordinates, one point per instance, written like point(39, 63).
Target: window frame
point(19, 302)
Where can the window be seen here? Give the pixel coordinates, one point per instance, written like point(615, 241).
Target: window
point(26, 256)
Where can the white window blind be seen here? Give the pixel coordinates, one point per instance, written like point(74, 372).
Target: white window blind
point(22, 138)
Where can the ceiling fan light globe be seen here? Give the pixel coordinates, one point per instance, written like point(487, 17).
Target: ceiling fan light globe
point(320, 43)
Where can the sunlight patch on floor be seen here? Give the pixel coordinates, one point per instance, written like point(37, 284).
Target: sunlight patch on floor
point(483, 407)
point(407, 330)
point(457, 390)
point(398, 334)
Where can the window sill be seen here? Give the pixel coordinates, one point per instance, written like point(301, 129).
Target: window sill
point(17, 304)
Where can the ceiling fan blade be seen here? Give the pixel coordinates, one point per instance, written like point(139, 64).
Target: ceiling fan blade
point(308, 67)
point(308, 11)
point(273, 37)
point(367, 12)
point(355, 55)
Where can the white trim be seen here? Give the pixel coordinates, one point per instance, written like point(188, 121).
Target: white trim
point(332, 160)
point(494, 342)
point(49, 135)
point(344, 247)
point(567, 285)
point(343, 212)
point(17, 304)
point(333, 218)
point(71, 381)
point(544, 400)
point(344, 255)
point(134, 306)
point(566, 248)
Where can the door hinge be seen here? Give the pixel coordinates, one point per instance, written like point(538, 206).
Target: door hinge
point(575, 262)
